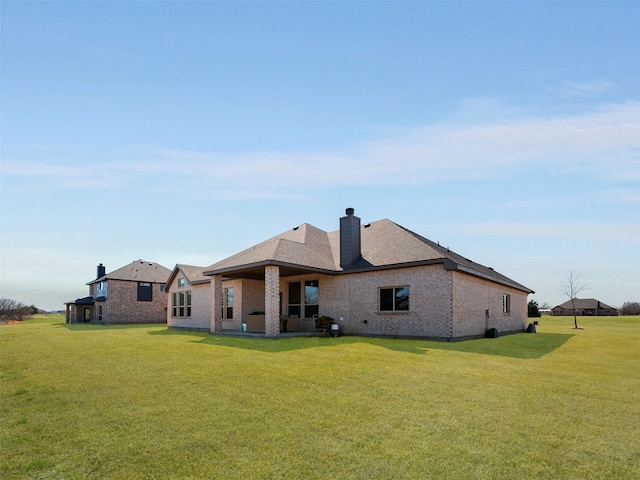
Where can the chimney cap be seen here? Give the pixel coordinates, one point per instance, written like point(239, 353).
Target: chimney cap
point(349, 211)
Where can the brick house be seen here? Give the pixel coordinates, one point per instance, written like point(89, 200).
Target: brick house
point(584, 307)
point(134, 293)
point(189, 303)
point(373, 279)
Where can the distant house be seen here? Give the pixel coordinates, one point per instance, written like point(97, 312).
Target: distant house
point(134, 293)
point(373, 279)
point(584, 307)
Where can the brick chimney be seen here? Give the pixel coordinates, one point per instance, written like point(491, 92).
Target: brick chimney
point(350, 249)
point(102, 271)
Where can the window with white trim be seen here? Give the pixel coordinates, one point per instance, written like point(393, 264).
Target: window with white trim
point(506, 303)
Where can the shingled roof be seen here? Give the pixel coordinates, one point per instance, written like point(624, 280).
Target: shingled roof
point(140, 271)
point(584, 304)
point(191, 272)
point(384, 245)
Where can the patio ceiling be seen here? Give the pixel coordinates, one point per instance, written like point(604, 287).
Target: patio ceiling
point(256, 272)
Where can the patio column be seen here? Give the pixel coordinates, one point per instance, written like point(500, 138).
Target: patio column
point(215, 318)
point(272, 300)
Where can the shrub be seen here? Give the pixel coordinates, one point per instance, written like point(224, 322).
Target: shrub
point(323, 323)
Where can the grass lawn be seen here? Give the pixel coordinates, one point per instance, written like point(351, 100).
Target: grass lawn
point(136, 402)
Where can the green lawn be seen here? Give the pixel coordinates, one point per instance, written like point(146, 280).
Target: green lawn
point(135, 402)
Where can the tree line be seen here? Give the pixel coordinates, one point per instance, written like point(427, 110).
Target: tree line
point(14, 310)
point(630, 308)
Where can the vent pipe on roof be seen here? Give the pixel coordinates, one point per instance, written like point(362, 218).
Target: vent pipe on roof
point(350, 248)
point(102, 271)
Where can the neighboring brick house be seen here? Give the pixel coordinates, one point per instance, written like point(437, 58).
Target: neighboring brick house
point(134, 293)
point(373, 279)
point(584, 307)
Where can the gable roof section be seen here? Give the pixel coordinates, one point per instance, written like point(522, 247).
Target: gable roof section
point(384, 244)
point(584, 303)
point(192, 273)
point(138, 271)
point(305, 246)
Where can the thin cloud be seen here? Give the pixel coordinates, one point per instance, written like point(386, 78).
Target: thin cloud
point(587, 89)
point(47, 146)
point(577, 230)
point(603, 142)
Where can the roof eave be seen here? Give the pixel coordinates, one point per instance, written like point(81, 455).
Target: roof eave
point(446, 262)
point(476, 273)
point(265, 263)
point(392, 266)
point(104, 277)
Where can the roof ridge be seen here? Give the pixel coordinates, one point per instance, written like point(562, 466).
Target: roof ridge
point(276, 247)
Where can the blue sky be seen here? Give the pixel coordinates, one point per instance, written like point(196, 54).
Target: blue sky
point(183, 132)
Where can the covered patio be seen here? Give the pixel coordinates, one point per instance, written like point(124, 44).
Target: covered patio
point(277, 318)
point(80, 310)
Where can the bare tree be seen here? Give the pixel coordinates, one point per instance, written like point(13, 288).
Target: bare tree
point(571, 288)
point(13, 310)
point(630, 308)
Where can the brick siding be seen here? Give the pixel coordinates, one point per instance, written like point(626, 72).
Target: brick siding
point(122, 305)
point(200, 305)
point(473, 296)
point(442, 304)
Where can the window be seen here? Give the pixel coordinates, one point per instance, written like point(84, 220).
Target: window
point(181, 304)
point(181, 282)
point(174, 305)
point(145, 292)
point(162, 287)
point(307, 304)
point(506, 303)
point(227, 304)
point(101, 286)
point(294, 299)
point(99, 313)
point(394, 299)
point(311, 291)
